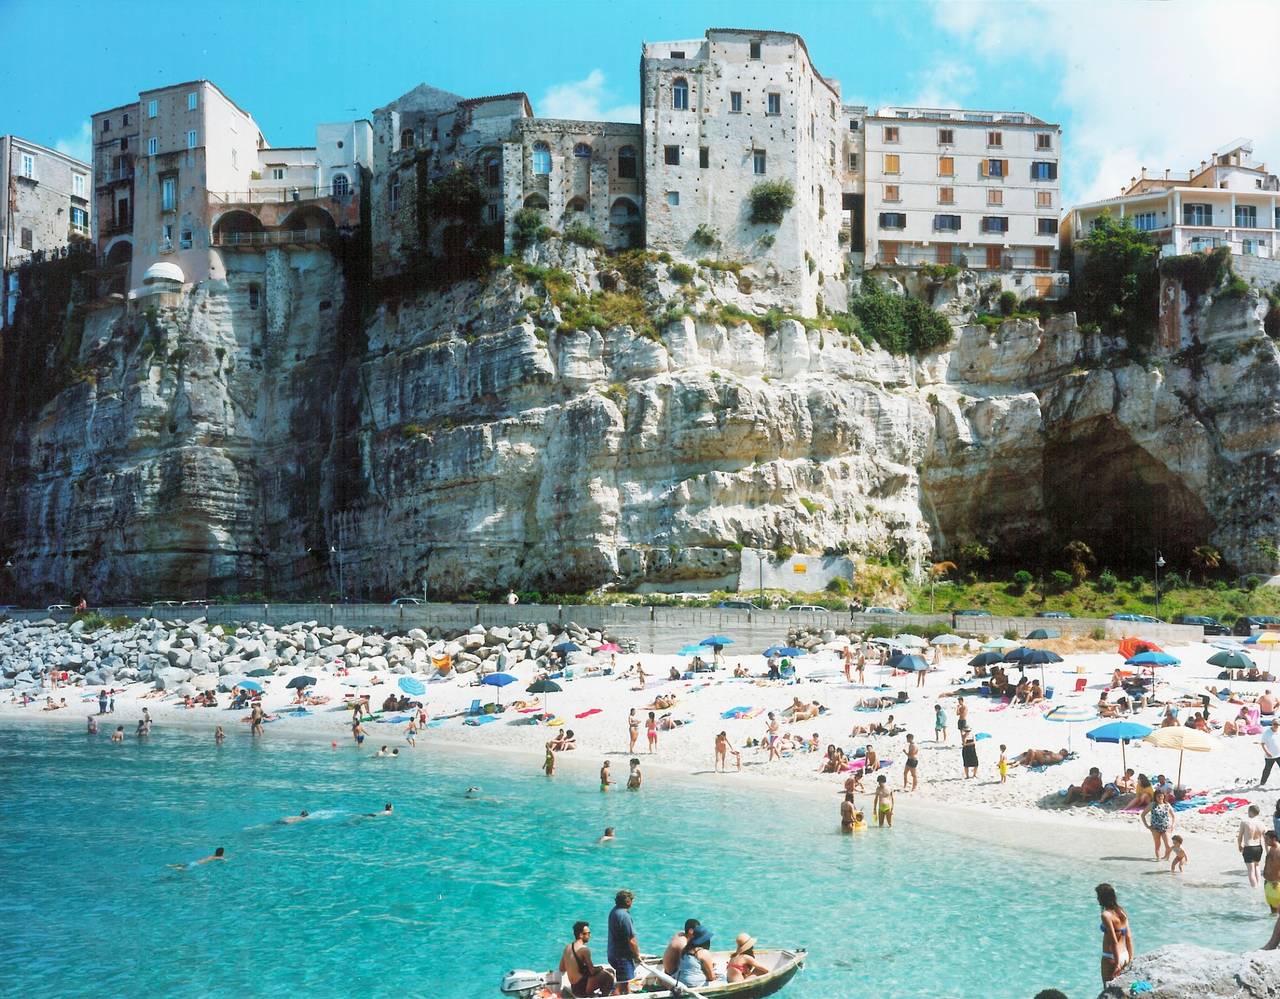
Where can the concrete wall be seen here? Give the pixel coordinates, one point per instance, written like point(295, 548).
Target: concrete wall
point(800, 573)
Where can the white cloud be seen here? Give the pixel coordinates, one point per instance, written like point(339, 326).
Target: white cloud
point(944, 85)
point(1159, 85)
point(585, 100)
point(79, 145)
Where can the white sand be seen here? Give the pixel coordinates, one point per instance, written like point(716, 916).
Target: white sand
point(1031, 797)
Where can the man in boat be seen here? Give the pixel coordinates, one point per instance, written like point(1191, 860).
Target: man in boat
point(584, 978)
point(676, 946)
point(624, 949)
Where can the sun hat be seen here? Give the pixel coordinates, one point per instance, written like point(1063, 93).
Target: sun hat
point(701, 937)
point(745, 941)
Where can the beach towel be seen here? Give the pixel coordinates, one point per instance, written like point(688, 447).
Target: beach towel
point(1132, 809)
point(395, 719)
point(737, 712)
point(1225, 804)
point(556, 722)
point(478, 720)
point(1186, 804)
point(436, 722)
point(588, 713)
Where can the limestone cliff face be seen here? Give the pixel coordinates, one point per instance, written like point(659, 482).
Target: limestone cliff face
point(468, 440)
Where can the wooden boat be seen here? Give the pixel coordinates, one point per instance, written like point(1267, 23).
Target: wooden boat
point(783, 966)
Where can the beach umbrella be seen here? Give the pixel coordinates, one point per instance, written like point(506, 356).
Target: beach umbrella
point(716, 641)
point(564, 648)
point(608, 647)
point(999, 643)
point(945, 640)
point(1071, 714)
point(911, 641)
point(783, 650)
point(1118, 731)
point(260, 671)
point(543, 687)
point(1269, 639)
point(1231, 660)
point(914, 664)
point(986, 659)
point(1041, 634)
point(411, 685)
point(1183, 739)
point(298, 682)
point(1153, 659)
point(1252, 639)
point(253, 685)
point(498, 680)
point(1037, 657)
point(690, 650)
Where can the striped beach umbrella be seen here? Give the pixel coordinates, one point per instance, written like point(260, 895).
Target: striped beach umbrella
point(1071, 714)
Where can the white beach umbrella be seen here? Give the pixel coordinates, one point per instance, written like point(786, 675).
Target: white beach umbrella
point(949, 640)
point(911, 641)
point(1071, 714)
point(1184, 740)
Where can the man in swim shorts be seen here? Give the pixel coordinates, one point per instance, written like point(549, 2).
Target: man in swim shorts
point(386, 810)
point(913, 764)
point(584, 978)
point(1271, 871)
point(883, 802)
point(1249, 843)
point(846, 813)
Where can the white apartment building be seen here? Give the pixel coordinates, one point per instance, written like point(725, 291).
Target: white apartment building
point(1229, 200)
point(45, 207)
point(723, 113)
point(974, 188)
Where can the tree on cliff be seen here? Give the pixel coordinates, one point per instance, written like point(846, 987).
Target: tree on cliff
point(1116, 284)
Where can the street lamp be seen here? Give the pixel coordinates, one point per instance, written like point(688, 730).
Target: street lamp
point(761, 557)
point(1160, 563)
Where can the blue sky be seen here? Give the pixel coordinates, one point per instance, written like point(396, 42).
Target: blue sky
point(1137, 83)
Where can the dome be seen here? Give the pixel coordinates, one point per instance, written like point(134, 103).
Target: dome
point(163, 271)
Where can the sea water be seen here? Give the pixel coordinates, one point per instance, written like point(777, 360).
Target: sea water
point(442, 898)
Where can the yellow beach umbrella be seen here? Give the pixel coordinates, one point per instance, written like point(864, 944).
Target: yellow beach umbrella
point(1184, 740)
point(1269, 639)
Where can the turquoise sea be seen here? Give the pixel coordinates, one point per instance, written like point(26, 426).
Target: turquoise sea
point(445, 896)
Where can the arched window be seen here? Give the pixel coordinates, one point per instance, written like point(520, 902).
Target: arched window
point(492, 171)
point(576, 205)
point(623, 211)
point(406, 138)
point(627, 163)
point(341, 185)
point(680, 94)
point(393, 192)
point(582, 151)
point(536, 201)
point(541, 158)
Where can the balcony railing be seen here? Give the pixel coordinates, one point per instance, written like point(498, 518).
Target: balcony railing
point(974, 258)
point(113, 176)
point(279, 195)
point(275, 238)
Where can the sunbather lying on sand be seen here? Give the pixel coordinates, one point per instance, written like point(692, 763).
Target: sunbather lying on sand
point(804, 712)
point(1040, 757)
point(662, 702)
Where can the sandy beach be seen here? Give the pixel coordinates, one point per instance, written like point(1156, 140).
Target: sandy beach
point(595, 706)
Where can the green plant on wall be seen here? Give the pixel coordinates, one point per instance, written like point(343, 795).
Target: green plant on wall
point(771, 200)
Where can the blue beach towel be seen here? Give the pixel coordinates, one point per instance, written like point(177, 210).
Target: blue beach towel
point(735, 712)
point(480, 720)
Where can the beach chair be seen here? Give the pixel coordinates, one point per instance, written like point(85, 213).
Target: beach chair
point(475, 708)
point(1081, 683)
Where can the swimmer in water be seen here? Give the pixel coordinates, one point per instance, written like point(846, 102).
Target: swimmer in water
point(384, 751)
point(219, 736)
point(386, 810)
point(118, 734)
point(472, 791)
point(218, 854)
point(302, 816)
point(608, 836)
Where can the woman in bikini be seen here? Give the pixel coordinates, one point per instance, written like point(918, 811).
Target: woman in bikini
point(651, 731)
point(723, 748)
point(1117, 938)
point(742, 962)
point(633, 730)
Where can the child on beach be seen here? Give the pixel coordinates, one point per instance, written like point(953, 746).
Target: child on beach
point(411, 733)
point(1179, 864)
point(651, 731)
point(549, 764)
point(1003, 764)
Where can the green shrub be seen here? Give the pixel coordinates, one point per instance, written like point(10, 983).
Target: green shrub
point(1198, 273)
point(92, 620)
point(721, 265)
point(771, 200)
point(1118, 286)
point(527, 222)
point(456, 195)
point(1137, 584)
point(583, 235)
point(618, 393)
point(1098, 633)
point(935, 273)
point(782, 552)
point(680, 273)
point(1060, 581)
point(1022, 581)
point(412, 430)
point(1251, 583)
point(1011, 634)
point(1106, 582)
point(1008, 302)
point(811, 506)
point(1236, 287)
point(840, 586)
point(766, 241)
point(900, 324)
point(706, 235)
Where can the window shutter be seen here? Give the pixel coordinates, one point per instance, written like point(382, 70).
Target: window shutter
point(1053, 171)
point(984, 168)
point(1004, 168)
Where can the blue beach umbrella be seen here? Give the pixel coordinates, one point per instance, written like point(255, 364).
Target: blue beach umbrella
point(1071, 714)
point(783, 650)
point(1119, 731)
point(905, 661)
point(716, 641)
point(498, 680)
point(986, 659)
point(253, 685)
point(564, 648)
point(411, 686)
point(1153, 659)
point(690, 650)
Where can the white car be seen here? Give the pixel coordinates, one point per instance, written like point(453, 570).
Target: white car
point(58, 607)
point(406, 602)
point(807, 609)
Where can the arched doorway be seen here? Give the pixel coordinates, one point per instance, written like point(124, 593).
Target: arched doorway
point(121, 252)
point(238, 228)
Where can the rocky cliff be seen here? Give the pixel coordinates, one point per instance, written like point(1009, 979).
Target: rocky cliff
point(515, 432)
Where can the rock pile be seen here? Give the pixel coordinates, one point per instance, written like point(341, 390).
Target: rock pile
point(174, 652)
point(1188, 970)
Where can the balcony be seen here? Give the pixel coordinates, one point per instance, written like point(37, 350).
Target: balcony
point(974, 258)
point(279, 196)
point(278, 237)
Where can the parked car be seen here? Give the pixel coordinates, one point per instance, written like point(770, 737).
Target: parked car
point(165, 603)
point(1141, 618)
point(737, 605)
point(807, 609)
point(58, 607)
point(195, 603)
point(1059, 615)
point(973, 612)
point(1211, 625)
point(879, 610)
point(1246, 626)
point(406, 602)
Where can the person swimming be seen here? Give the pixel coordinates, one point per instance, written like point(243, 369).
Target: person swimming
point(472, 791)
point(219, 854)
point(302, 816)
point(386, 810)
point(608, 836)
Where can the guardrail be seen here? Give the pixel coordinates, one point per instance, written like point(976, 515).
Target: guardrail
point(279, 195)
point(273, 238)
point(661, 629)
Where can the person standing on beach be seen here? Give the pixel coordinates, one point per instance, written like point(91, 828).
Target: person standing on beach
point(1271, 871)
point(623, 950)
point(968, 752)
point(633, 731)
point(847, 656)
point(846, 813)
point(255, 719)
point(939, 724)
point(651, 731)
point(1158, 818)
point(883, 801)
point(1249, 843)
point(604, 777)
point(913, 764)
point(549, 763)
point(1003, 764)
point(1270, 748)
point(962, 714)
point(771, 737)
point(1117, 936)
point(102, 706)
point(411, 733)
point(723, 748)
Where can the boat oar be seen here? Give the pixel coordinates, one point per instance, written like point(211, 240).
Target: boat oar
point(675, 987)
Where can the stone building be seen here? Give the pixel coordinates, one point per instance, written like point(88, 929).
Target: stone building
point(724, 113)
point(576, 172)
point(973, 188)
point(184, 176)
point(45, 208)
